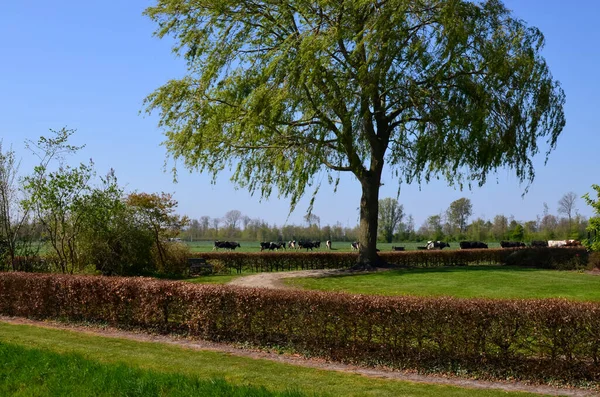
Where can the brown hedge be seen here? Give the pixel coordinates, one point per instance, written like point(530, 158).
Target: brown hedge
point(563, 258)
point(538, 340)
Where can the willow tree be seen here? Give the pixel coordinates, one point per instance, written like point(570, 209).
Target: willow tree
point(284, 91)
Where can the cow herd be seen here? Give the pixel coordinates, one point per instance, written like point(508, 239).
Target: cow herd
point(431, 245)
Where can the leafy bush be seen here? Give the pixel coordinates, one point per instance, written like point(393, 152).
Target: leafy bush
point(594, 260)
point(550, 258)
point(536, 340)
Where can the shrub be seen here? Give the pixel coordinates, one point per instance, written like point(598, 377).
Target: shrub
point(594, 260)
point(535, 340)
point(550, 258)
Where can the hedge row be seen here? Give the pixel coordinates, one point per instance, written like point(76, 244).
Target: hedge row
point(535, 340)
point(554, 258)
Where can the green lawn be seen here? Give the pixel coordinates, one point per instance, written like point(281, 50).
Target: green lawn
point(36, 372)
point(464, 282)
point(141, 360)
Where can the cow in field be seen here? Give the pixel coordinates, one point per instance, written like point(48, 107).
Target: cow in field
point(292, 244)
point(306, 244)
point(464, 245)
point(355, 246)
point(557, 243)
point(512, 244)
point(229, 245)
point(573, 243)
point(437, 245)
point(328, 244)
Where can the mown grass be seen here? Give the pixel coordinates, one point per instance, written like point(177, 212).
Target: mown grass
point(147, 359)
point(464, 282)
point(35, 372)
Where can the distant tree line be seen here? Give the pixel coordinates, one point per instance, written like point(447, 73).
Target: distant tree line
point(395, 225)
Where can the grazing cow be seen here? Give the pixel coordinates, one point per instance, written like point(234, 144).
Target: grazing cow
point(431, 245)
point(539, 243)
point(472, 245)
point(306, 244)
point(292, 244)
point(230, 245)
point(512, 244)
point(276, 246)
point(328, 244)
point(394, 248)
point(573, 243)
point(557, 243)
point(264, 245)
point(355, 246)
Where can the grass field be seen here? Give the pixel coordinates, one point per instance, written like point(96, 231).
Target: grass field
point(35, 372)
point(464, 282)
point(338, 246)
point(88, 363)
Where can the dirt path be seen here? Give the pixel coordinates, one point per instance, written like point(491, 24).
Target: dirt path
point(274, 280)
point(380, 373)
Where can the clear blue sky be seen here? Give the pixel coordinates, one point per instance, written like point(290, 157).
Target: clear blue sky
point(88, 65)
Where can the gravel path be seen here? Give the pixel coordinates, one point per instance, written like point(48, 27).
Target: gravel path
point(274, 280)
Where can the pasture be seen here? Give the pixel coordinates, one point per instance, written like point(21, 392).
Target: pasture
point(46, 362)
point(337, 246)
point(464, 282)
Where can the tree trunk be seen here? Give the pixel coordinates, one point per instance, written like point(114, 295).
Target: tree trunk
point(367, 234)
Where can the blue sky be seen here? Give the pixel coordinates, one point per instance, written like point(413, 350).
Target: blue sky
point(88, 65)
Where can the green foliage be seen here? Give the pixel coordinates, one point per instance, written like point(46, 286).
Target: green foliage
point(284, 92)
point(548, 258)
point(459, 212)
point(390, 218)
point(535, 340)
point(594, 222)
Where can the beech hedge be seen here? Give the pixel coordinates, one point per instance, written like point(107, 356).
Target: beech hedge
point(553, 258)
point(548, 340)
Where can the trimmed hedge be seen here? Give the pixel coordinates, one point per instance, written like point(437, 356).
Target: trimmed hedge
point(537, 340)
point(563, 258)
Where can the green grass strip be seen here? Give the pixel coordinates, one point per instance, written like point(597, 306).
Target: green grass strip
point(207, 365)
point(26, 372)
point(464, 282)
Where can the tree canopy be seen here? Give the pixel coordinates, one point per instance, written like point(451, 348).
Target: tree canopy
point(283, 91)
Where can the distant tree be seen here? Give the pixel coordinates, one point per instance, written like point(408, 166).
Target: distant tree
point(500, 227)
point(516, 231)
point(232, 221)
point(479, 230)
point(433, 227)
point(566, 206)
point(390, 217)
point(296, 88)
point(312, 219)
point(156, 212)
point(459, 212)
point(593, 228)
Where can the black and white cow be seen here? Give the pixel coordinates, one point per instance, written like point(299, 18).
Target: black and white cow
point(437, 245)
point(355, 246)
point(328, 244)
point(472, 245)
point(230, 245)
